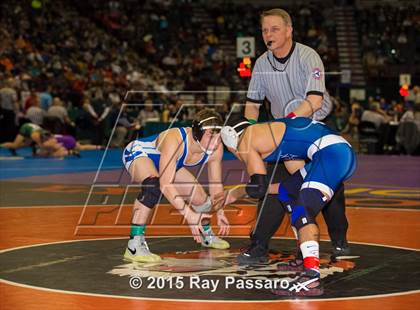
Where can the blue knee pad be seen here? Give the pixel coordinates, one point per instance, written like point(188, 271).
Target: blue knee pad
point(284, 197)
point(289, 189)
point(309, 203)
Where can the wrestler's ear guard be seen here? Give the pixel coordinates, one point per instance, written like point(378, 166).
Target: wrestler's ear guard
point(231, 132)
point(229, 137)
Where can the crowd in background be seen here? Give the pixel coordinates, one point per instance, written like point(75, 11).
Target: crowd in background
point(68, 65)
point(381, 122)
point(389, 36)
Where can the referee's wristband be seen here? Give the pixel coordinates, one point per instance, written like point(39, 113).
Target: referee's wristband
point(252, 121)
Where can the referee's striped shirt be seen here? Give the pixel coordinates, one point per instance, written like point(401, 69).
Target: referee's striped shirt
point(285, 82)
point(35, 115)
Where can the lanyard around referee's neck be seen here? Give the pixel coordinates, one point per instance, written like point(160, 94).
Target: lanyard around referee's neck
point(275, 59)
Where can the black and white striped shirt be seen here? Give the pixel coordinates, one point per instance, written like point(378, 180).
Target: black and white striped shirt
point(35, 115)
point(286, 82)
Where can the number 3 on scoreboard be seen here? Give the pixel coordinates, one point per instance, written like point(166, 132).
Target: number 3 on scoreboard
point(245, 47)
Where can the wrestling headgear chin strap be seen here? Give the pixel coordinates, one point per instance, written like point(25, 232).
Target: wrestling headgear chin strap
point(198, 130)
point(232, 131)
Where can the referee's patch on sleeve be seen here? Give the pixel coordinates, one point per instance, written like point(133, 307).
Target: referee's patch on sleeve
point(317, 73)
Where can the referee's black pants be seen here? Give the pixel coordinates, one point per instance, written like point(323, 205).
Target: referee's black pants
point(7, 124)
point(270, 217)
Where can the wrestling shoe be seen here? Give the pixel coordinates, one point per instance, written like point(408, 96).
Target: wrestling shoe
point(210, 240)
point(255, 254)
point(13, 152)
point(138, 251)
point(307, 284)
point(295, 265)
point(75, 153)
point(340, 249)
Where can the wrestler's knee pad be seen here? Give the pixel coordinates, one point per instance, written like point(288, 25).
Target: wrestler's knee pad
point(289, 189)
point(257, 186)
point(284, 198)
point(150, 193)
point(309, 203)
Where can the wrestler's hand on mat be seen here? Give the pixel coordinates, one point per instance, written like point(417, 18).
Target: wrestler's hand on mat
point(223, 223)
point(194, 220)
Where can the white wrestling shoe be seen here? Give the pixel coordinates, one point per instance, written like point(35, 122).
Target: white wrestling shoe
point(210, 240)
point(138, 251)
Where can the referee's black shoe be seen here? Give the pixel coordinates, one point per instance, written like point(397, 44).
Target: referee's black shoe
point(256, 253)
point(340, 249)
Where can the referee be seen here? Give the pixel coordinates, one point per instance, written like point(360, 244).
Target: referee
point(290, 76)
